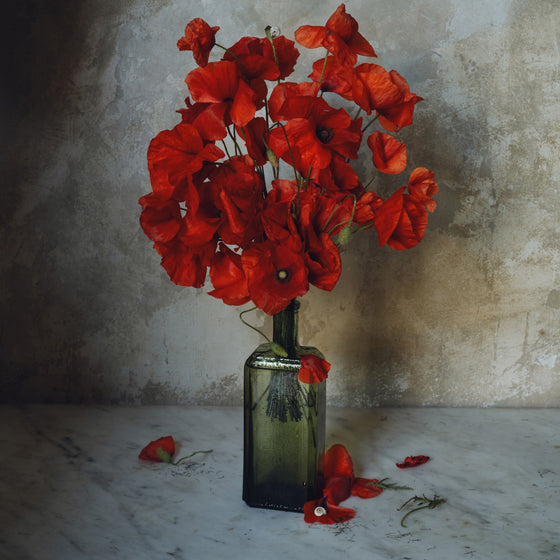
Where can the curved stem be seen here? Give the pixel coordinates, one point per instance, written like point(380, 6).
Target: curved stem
point(251, 326)
point(234, 56)
point(191, 455)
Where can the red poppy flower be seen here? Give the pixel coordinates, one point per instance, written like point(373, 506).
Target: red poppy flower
point(149, 453)
point(320, 511)
point(339, 36)
point(290, 100)
point(199, 38)
point(238, 192)
point(388, 93)
point(333, 212)
point(160, 219)
point(257, 60)
point(389, 155)
point(228, 278)
point(248, 53)
point(276, 274)
point(253, 135)
point(186, 266)
point(277, 218)
point(397, 115)
point(366, 207)
point(174, 155)
point(286, 54)
point(221, 83)
point(336, 77)
point(207, 118)
point(413, 461)
point(313, 369)
point(314, 139)
point(422, 187)
point(322, 258)
point(400, 222)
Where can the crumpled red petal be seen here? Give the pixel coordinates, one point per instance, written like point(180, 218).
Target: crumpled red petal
point(363, 488)
point(319, 511)
point(149, 453)
point(413, 461)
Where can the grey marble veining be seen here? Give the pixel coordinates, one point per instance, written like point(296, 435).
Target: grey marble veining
point(72, 486)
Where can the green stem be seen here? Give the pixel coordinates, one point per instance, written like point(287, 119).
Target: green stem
point(274, 346)
point(371, 180)
point(412, 511)
point(269, 37)
point(324, 68)
point(191, 455)
point(234, 56)
point(370, 123)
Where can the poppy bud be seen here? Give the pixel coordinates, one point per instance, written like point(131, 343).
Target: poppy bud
point(272, 157)
point(163, 455)
point(344, 235)
point(278, 350)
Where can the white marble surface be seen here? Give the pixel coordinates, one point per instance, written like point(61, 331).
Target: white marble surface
point(72, 486)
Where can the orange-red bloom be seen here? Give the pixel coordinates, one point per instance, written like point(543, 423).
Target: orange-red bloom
point(199, 38)
point(388, 93)
point(313, 369)
point(336, 77)
point(389, 155)
point(313, 139)
point(339, 36)
point(276, 274)
point(174, 155)
point(160, 219)
point(228, 278)
point(422, 187)
point(186, 266)
point(221, 83)
point(401, 220)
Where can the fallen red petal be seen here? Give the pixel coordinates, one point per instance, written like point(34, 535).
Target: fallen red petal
point(413, 461)
point(364, 488)
point(149, 453)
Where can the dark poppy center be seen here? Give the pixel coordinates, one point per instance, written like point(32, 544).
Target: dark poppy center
point(325, 135)
point(282, 275)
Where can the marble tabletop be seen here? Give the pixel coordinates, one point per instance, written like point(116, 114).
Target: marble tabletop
point(72, 486)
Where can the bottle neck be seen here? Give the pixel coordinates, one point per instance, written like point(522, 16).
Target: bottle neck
point(285, 328)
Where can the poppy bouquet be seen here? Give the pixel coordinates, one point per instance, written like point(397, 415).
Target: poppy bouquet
point(254, 186)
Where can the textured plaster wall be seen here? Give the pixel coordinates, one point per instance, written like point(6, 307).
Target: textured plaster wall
point(471, 316)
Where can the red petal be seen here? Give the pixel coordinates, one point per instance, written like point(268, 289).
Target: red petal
point(389, 155)
point(243, 108)
point(313, 369)
point(228, 278)
point(149, 453)
point(338, 462)
point(332, 514)
point(413, 461)
point(310, 36)
point(363, 489)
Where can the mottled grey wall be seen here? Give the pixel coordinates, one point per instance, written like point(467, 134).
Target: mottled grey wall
point(471, 316)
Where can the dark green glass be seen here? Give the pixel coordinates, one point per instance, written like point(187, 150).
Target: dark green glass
point(284, 423)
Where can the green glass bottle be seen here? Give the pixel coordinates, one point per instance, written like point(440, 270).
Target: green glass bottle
point(284, 423)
